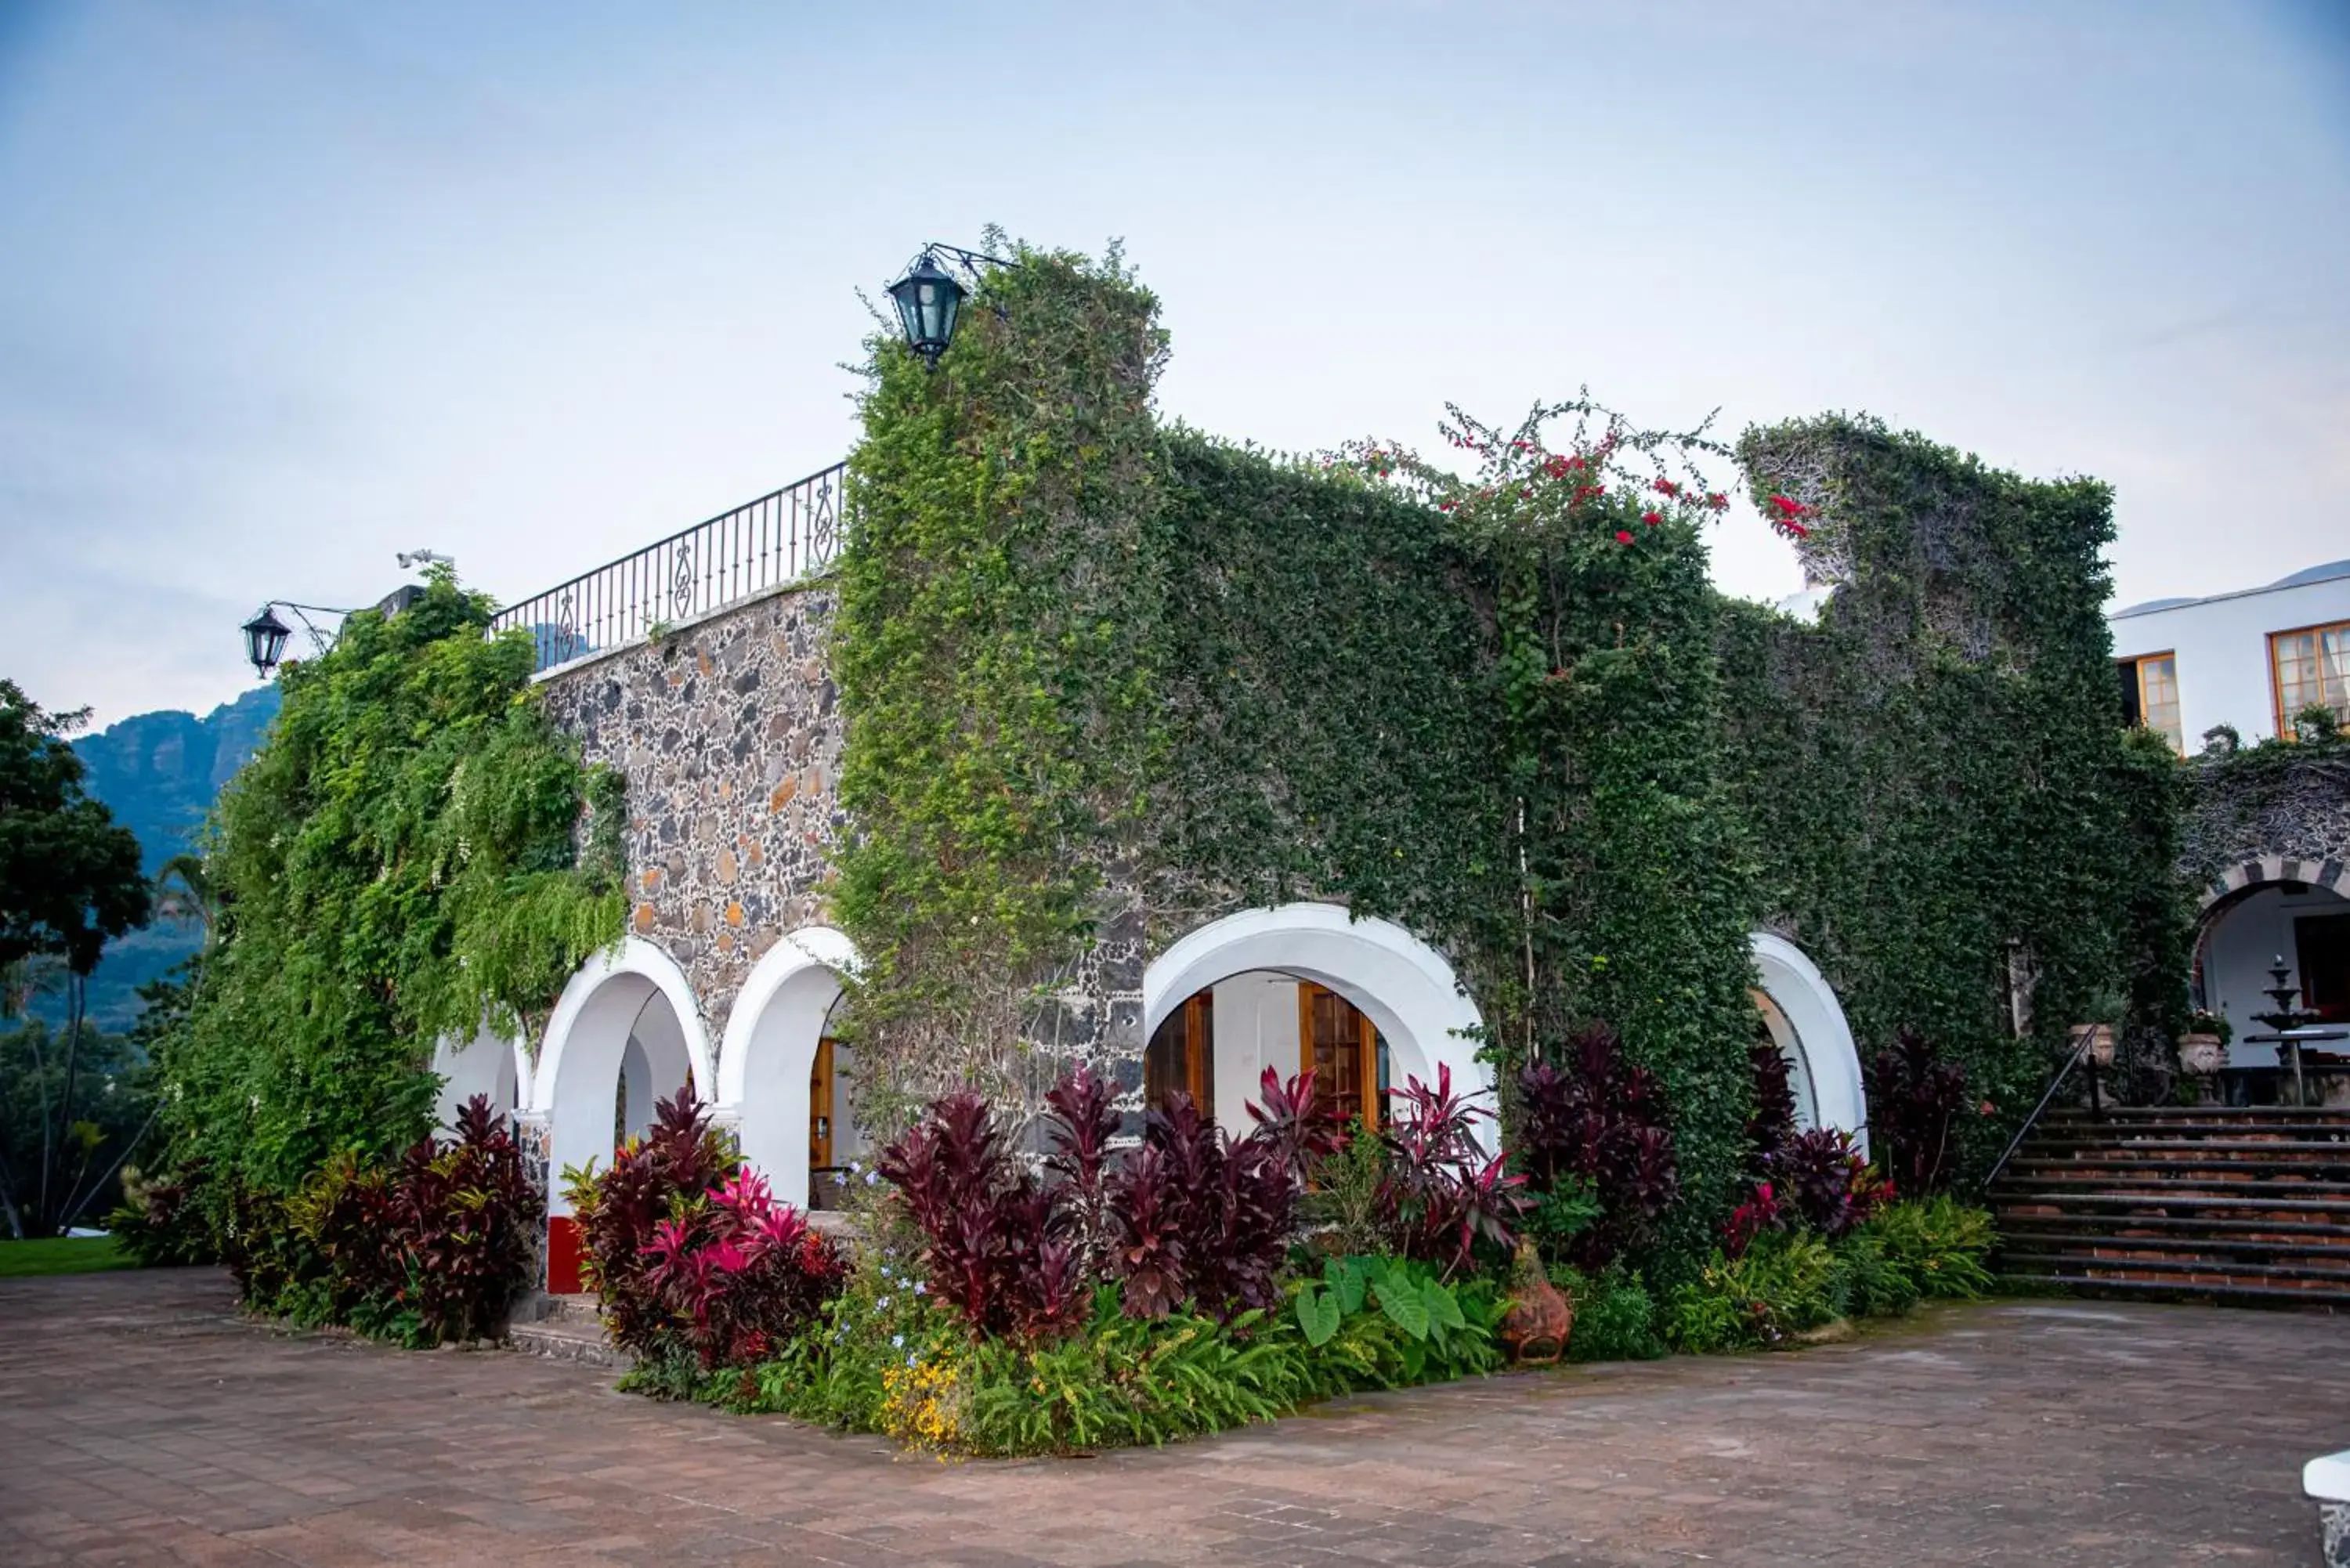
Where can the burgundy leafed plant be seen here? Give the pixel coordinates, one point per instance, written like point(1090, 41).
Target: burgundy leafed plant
point(1603, 1121)
point(1444, 1196)
point(681, 1158)
point(740, 1273)
point(466, 1221)
point(1915, 1098)
point(1821, 1176)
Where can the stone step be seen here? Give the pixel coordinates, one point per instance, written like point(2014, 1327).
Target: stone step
point(2220, 1206)
point(2249, 1181)
point(2225, 1294)
point(2036, 1257)
point(559, 1339)
point(2308, 1235)
point(2253, 1151)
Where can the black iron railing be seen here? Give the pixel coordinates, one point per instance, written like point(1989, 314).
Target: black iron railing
point(781, 537)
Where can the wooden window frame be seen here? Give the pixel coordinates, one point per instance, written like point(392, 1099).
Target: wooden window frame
point(1366, 1068)
point(2276, 670)
point(2138, 663)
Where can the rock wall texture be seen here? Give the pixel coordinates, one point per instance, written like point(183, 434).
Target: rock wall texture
point(729, 734)
point(2287, 821)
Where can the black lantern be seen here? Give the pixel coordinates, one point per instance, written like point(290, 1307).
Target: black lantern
point(264, 639)
point(927, 301)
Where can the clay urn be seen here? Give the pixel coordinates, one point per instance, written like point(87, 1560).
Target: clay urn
point(1539, 1320)
point(2100, 1038)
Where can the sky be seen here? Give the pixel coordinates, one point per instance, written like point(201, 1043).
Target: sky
point(288, 287)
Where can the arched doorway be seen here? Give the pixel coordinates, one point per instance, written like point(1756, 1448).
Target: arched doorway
point(625, 1033)
point(1803, 1018)
point(2258, 922)
point(782, 1080)
point(489, 1063)
point(1363, 1002)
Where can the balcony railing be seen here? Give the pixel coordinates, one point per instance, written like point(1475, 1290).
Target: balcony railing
point(781, 537)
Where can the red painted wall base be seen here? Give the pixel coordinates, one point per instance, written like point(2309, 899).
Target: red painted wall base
point(563, 1256)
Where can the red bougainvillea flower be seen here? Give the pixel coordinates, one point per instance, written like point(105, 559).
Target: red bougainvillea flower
point(1789, 507)
point(1652, 518)
point(1797, 530)
point(1560, 467)
point(1667, 487)
point(1444, 506)
point(1717, 501)
point(1623, 535)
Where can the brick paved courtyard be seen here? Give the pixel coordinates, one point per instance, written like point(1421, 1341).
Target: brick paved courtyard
point(141, 1421)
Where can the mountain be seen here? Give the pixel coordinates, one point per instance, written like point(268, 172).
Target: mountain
point(159, 775)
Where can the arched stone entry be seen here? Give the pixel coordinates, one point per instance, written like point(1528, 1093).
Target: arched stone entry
point(489, 1063)
point(1252, 964)
point(1804, 1018)
point(768, 1058)
point(2259, 912)
point(628, 1013)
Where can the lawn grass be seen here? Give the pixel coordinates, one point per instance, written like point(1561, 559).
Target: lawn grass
point(62, 1255)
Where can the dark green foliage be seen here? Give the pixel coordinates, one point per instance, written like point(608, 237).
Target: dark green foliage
point(1937, 780)
point(111, 1114)
point(1614, 1316)
point(1941, 1244)
point(996, 651)
point(1916, 1103)
point(431, 1249)
point(403, 859)
point(69, 875)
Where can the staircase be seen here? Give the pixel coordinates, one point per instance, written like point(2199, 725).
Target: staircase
point(564, 1328)
point(2239, 1205)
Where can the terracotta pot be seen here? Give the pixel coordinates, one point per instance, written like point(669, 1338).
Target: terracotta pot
point(1540, 1319)
point(2202, 1055)
point(2101, 1042)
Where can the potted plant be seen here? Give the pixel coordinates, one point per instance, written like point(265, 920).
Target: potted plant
point(2203, 1049)
point(2101, 1015)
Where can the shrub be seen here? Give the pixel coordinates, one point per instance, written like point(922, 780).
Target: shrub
point(337, 1250)
point(1821, 1177)
point(681, 1158)
point(1345, 1203)
point(1614, 1316)
point(1383, 1322)
point(1190, 1216)
point(1772, 1123)
point(1603, 1122)
point(1869, 1282)
point(1445, 1196)
point(995, 1251)
point(159, 1222)
point(466, 1218)
point(1940, 1244)
point(1787, 1283)
point(739, 1273)
point(1915, 1098)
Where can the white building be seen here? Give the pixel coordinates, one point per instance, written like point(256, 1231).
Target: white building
point(2250, 660)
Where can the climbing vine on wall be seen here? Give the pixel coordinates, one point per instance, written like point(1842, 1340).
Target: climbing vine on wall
point(996, 649)
point(415, 851)
point(1939, 786)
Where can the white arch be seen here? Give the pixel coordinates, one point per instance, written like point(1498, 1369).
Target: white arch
point(579, 1063)
point(489, 1063)
point(1823, 1038)
point(768, 1052)
point(1404, 985)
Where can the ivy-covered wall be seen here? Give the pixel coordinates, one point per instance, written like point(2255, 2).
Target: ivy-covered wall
point(1944, 809)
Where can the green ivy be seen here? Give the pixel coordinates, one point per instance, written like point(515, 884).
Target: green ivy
point(403, 859)
point(996, 651)
point(1935, 774)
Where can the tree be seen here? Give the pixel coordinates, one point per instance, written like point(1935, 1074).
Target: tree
point(70, 882)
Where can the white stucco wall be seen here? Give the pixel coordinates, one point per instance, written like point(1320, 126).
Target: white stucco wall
point(2222, 648)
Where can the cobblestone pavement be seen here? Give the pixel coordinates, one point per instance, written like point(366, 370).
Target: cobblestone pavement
point(141, 1421)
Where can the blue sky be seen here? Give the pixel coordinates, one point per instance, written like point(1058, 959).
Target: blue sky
point(290, 286)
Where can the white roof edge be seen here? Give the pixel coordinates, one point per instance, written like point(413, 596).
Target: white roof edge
point(2282, 585)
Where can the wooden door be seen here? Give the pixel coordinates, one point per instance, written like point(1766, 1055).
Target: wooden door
point(820, 1109)
point(1183, 1056)
point(1338, 1042)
